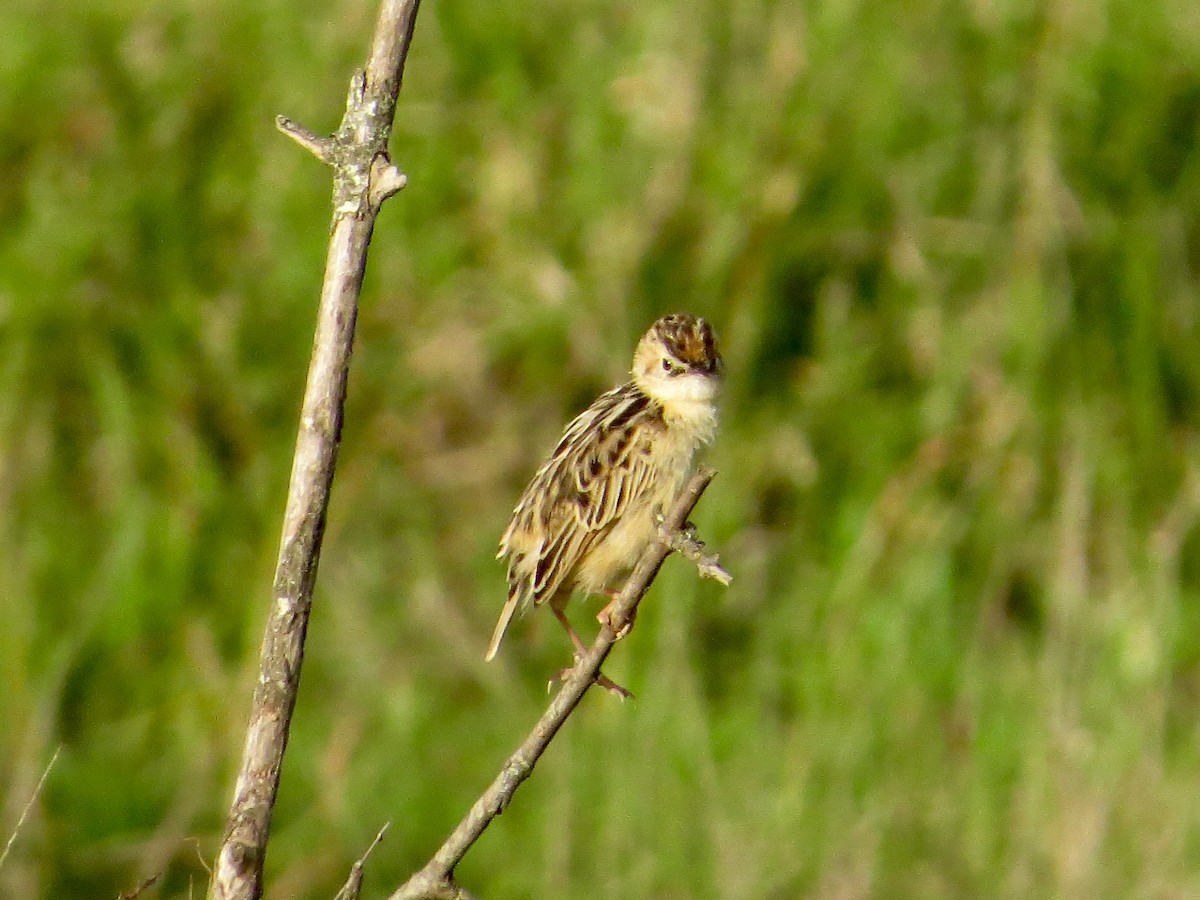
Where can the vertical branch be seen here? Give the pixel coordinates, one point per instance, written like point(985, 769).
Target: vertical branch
point(363, 178)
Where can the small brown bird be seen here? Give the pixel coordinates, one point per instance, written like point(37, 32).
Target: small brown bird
point(596, 503)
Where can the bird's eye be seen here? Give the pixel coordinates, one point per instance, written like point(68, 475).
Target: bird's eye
point(669, 367)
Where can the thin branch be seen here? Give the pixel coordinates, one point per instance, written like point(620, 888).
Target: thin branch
point(142, 887)
point(436, 879)
point(353, 886)
point(363, 178)
point(12, 838)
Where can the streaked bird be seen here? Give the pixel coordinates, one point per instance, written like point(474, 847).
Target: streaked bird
point(596, 503)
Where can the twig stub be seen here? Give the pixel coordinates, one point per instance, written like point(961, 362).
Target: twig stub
point(320, 147)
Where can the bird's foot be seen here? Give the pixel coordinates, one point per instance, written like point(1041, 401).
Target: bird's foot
point(607, 616)
point(601, 680)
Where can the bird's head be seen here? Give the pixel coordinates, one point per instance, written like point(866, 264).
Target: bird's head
point(677, 361)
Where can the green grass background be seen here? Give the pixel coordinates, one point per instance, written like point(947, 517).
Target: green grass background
point(951, 250)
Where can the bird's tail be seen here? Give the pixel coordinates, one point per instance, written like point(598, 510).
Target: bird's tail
point(506, 614)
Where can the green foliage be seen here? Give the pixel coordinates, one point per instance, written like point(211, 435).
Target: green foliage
point(952, 254)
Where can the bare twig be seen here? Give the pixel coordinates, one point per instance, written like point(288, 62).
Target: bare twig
point(363, 178)
point(353, 886)
point(142, 887)
point(436, 879)
point(37, 790)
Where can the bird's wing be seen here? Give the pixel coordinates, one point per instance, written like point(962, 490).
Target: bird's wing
point(599, 466)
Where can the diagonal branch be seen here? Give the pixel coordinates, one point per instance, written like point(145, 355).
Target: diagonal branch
point(363, 178)
point(436, 879)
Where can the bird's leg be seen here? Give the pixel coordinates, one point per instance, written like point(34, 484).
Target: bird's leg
point(601, 679)
point(576, 640)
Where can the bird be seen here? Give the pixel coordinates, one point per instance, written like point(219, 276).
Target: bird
point(598, 501)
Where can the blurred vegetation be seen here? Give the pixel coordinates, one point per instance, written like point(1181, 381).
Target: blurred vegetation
point(951, 249)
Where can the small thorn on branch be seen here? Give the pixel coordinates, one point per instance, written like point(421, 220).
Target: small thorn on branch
point(320, 147)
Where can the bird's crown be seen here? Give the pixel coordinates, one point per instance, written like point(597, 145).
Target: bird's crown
point(689, 339)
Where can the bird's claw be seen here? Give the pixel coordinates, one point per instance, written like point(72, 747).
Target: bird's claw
point(601, 680)
point(607, 618)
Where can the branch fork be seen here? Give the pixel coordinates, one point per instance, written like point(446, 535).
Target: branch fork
point(364, 175)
